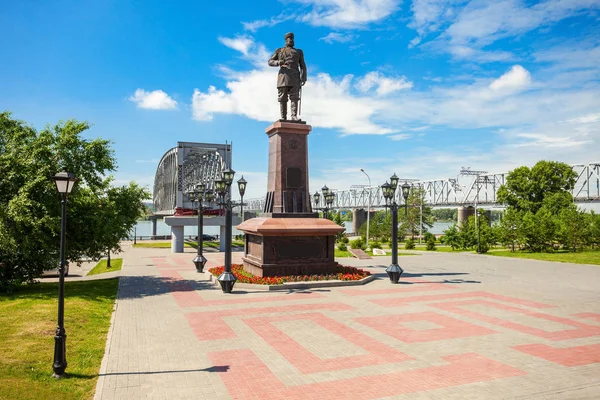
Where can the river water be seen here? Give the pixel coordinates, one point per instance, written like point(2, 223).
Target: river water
point(144, 228)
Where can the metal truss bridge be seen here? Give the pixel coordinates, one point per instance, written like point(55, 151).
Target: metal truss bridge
point(184, 166)
point(468, 188)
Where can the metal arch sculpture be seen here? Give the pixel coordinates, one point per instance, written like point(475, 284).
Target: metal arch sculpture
point(182, 167)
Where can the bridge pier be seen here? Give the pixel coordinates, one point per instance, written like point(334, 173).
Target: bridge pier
point(177, 239)
point(359, 218)
point(464, 213)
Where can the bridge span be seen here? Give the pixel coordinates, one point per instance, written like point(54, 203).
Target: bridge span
point(468, 188)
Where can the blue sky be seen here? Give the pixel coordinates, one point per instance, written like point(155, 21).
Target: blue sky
point(419, 88)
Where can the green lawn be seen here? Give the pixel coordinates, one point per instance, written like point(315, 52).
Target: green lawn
point(583, 257)
point(440, 248)
point(100, 268)
point(27, 327)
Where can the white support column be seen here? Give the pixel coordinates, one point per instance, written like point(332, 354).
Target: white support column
point(177, 239)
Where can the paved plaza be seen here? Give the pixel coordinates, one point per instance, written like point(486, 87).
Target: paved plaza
point(459, 326)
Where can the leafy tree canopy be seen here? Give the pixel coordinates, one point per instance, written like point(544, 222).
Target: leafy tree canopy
point(99, 215)
point(547, 182)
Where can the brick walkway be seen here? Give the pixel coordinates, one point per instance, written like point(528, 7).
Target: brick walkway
point(459, 326)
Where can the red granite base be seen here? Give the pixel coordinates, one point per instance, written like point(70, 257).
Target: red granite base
point(289, 246)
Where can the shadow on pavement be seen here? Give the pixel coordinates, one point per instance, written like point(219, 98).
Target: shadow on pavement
point(216, 368)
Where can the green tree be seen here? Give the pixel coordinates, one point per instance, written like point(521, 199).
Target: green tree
point(380, 226)
point(526, 189)
point(337, 218)
point(30, 209)
point(593, 223)
point(451, 237)
point(510, 228)
point(539, 230)
point(416, 199)
point(573, 228)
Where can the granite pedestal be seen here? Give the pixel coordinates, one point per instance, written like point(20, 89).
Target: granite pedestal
point(289, 239)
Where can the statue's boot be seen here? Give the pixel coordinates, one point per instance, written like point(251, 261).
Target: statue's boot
point(283, 110)
point(294, 110)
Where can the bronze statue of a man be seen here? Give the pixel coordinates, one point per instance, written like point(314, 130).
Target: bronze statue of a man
point(292, 75)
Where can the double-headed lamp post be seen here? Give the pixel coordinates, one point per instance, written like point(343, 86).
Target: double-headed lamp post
point(198, 194)
point(64, 184)
point(227, 279)
point(389, 189)
point(369, 208)
point(317, 199)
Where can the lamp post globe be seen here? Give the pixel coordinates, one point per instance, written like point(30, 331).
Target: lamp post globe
point(394, 182)
point(242, 189)
point(316, 198)
point(64, 182)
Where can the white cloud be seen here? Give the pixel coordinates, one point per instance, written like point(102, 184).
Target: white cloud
point(429, 14)
point(483, 22)
point(516, 79)
point(337, 37)
point(347, 13)
point(239, 43)
point(541, 140)
point(254, 95)
point(254, 52)
point(253, 26)
point(586, 119)
point(469, 26)
point(383, 85)
point(401, 136)
point(155, 100)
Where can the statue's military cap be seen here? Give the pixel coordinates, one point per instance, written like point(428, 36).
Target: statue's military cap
point(289, 34)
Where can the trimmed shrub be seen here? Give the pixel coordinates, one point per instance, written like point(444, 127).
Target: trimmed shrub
point(410, 244)
point(358, 244)
point(427, 236)
point(375, 245)
point(345, 240)
point(431, 244)
point(342, 246)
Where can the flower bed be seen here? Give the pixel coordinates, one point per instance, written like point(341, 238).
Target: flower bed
point(342, 274)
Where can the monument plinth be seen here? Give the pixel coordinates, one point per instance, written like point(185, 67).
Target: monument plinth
point(289, 239)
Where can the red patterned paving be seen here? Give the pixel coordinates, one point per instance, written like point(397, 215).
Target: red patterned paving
point(581, 330)
point(249, 378)
point(450, 328)
point(589, 315)
point(307, 362)
point(417, 285)
point(211, 325)
point(401, 301)
point(569, 357)
point(186, 296)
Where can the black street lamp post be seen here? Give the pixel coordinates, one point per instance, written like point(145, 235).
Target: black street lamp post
point(199, 194)
point(317, 199)
point(64, 184)
point(394, 271)
point(223, 187)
